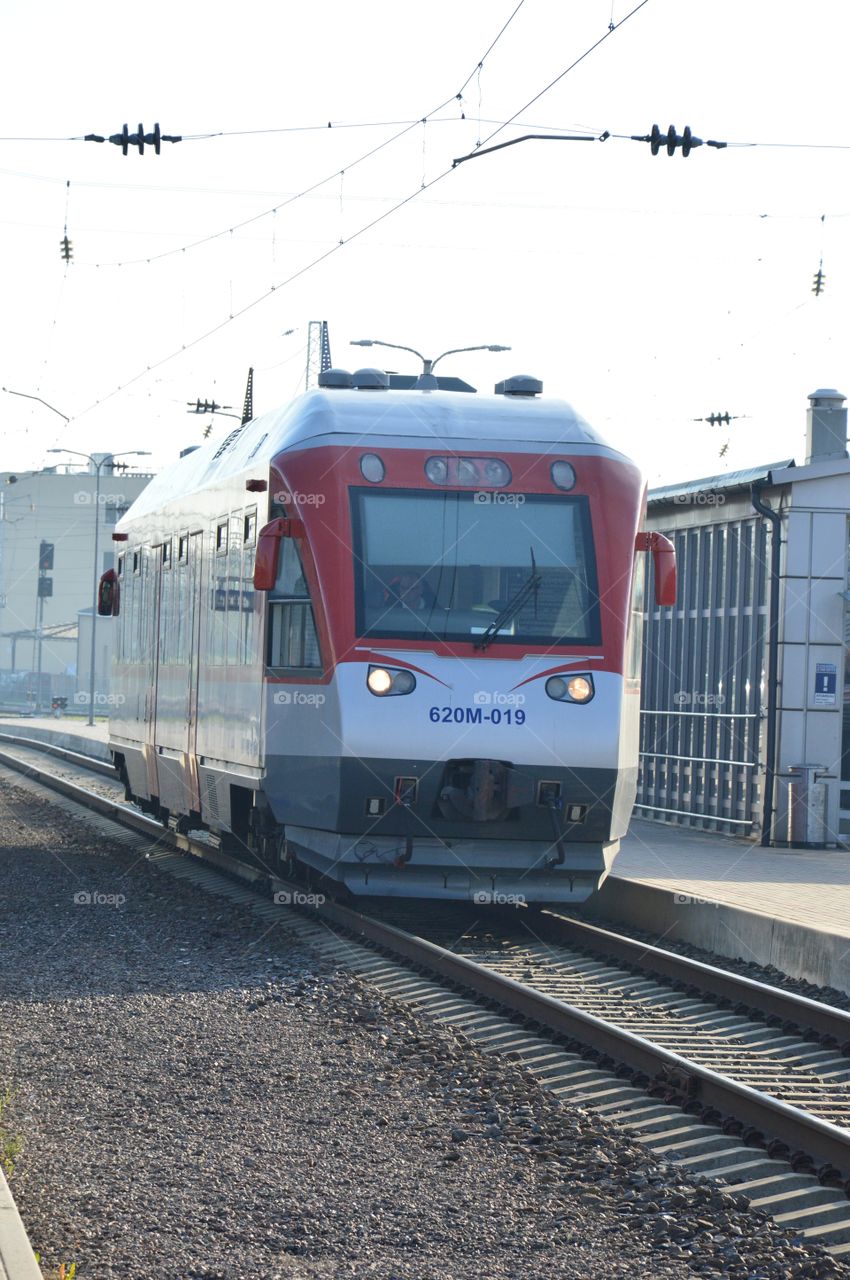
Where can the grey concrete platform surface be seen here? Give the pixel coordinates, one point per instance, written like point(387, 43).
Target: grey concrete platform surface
point(73, 734)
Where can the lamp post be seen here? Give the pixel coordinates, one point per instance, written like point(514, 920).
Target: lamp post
point(426, 378)
point(97, 464)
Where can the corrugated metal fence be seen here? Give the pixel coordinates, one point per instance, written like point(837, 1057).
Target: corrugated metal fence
point(704, 682)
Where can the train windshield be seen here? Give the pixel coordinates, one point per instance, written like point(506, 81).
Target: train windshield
point(514, 568)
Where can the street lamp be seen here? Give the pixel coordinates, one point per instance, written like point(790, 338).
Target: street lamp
point(426, 379)
point(97, 464)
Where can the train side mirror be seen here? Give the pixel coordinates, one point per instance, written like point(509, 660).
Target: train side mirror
point(664, 565)
point(268, 550)
point(108, 595)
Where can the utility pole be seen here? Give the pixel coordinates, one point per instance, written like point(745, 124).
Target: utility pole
point(98, 464)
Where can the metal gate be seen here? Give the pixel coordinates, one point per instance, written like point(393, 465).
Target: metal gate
point(703, 690)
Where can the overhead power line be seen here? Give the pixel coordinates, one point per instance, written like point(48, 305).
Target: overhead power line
point(335, 248)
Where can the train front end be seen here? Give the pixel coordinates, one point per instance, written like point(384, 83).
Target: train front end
point(455, 590)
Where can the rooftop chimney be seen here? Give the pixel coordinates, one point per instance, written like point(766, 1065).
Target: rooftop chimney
point(826, 426)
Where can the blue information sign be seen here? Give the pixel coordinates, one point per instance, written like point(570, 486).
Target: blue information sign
point(826, 677)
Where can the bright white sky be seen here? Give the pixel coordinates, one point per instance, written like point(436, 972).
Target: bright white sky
point(646, 291)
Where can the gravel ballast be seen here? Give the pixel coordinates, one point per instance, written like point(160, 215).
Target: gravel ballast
point(197, 1096)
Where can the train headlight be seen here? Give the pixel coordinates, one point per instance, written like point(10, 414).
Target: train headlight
point(437, 470)
point(386, 681)
point(570, 688)
point(372, 468)
point(563, 474)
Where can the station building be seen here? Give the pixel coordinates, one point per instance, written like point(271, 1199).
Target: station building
point(745, 683)
point(47, 569)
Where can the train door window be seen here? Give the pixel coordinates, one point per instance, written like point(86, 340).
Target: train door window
point(293, 643)
point(248, 599)
point(137, 561)
point(234, 593)
point(181, 621)
point(221, 538)
point(166, 606)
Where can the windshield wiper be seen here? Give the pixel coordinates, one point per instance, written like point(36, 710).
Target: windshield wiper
point(530, 587)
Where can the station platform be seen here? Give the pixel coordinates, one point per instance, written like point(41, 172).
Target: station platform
point(784, 907)
point(789, 908)
point(73, 733)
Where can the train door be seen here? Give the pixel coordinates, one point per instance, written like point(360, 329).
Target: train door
point(195, 581)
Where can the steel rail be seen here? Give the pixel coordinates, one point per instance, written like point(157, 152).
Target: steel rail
point(772, 1118)
point(829, 1022)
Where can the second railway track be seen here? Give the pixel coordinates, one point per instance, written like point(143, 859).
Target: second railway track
point(723, 1076)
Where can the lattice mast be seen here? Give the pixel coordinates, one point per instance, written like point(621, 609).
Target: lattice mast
point(318, 352)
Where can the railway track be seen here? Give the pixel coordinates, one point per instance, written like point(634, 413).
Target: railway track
point(725, 1077)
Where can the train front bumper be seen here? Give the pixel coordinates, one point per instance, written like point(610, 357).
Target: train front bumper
point(480, 871)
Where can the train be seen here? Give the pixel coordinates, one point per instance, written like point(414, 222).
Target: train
point(390, 638)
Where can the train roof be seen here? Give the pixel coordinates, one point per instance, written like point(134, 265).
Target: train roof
point(442, 420)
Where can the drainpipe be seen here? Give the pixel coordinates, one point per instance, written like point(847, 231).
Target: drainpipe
point(772, 657)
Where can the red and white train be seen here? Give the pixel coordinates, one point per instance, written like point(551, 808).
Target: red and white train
point(392, 635)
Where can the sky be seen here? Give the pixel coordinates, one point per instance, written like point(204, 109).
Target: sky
point(649, 292)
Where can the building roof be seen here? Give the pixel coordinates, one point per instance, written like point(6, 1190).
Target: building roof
point(726, 483)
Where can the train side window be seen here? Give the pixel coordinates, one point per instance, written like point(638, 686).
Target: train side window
point(166, 554)
point(293, 642)
point(249, 528)
point(292, 636)
point(634, 635)
point(137, 562)
point(122, 612)
point(290, 573)
point(183, 549)
point(221, 538)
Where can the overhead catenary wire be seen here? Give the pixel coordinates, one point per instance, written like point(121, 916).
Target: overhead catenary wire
point(328, 253)
point(337, 172)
